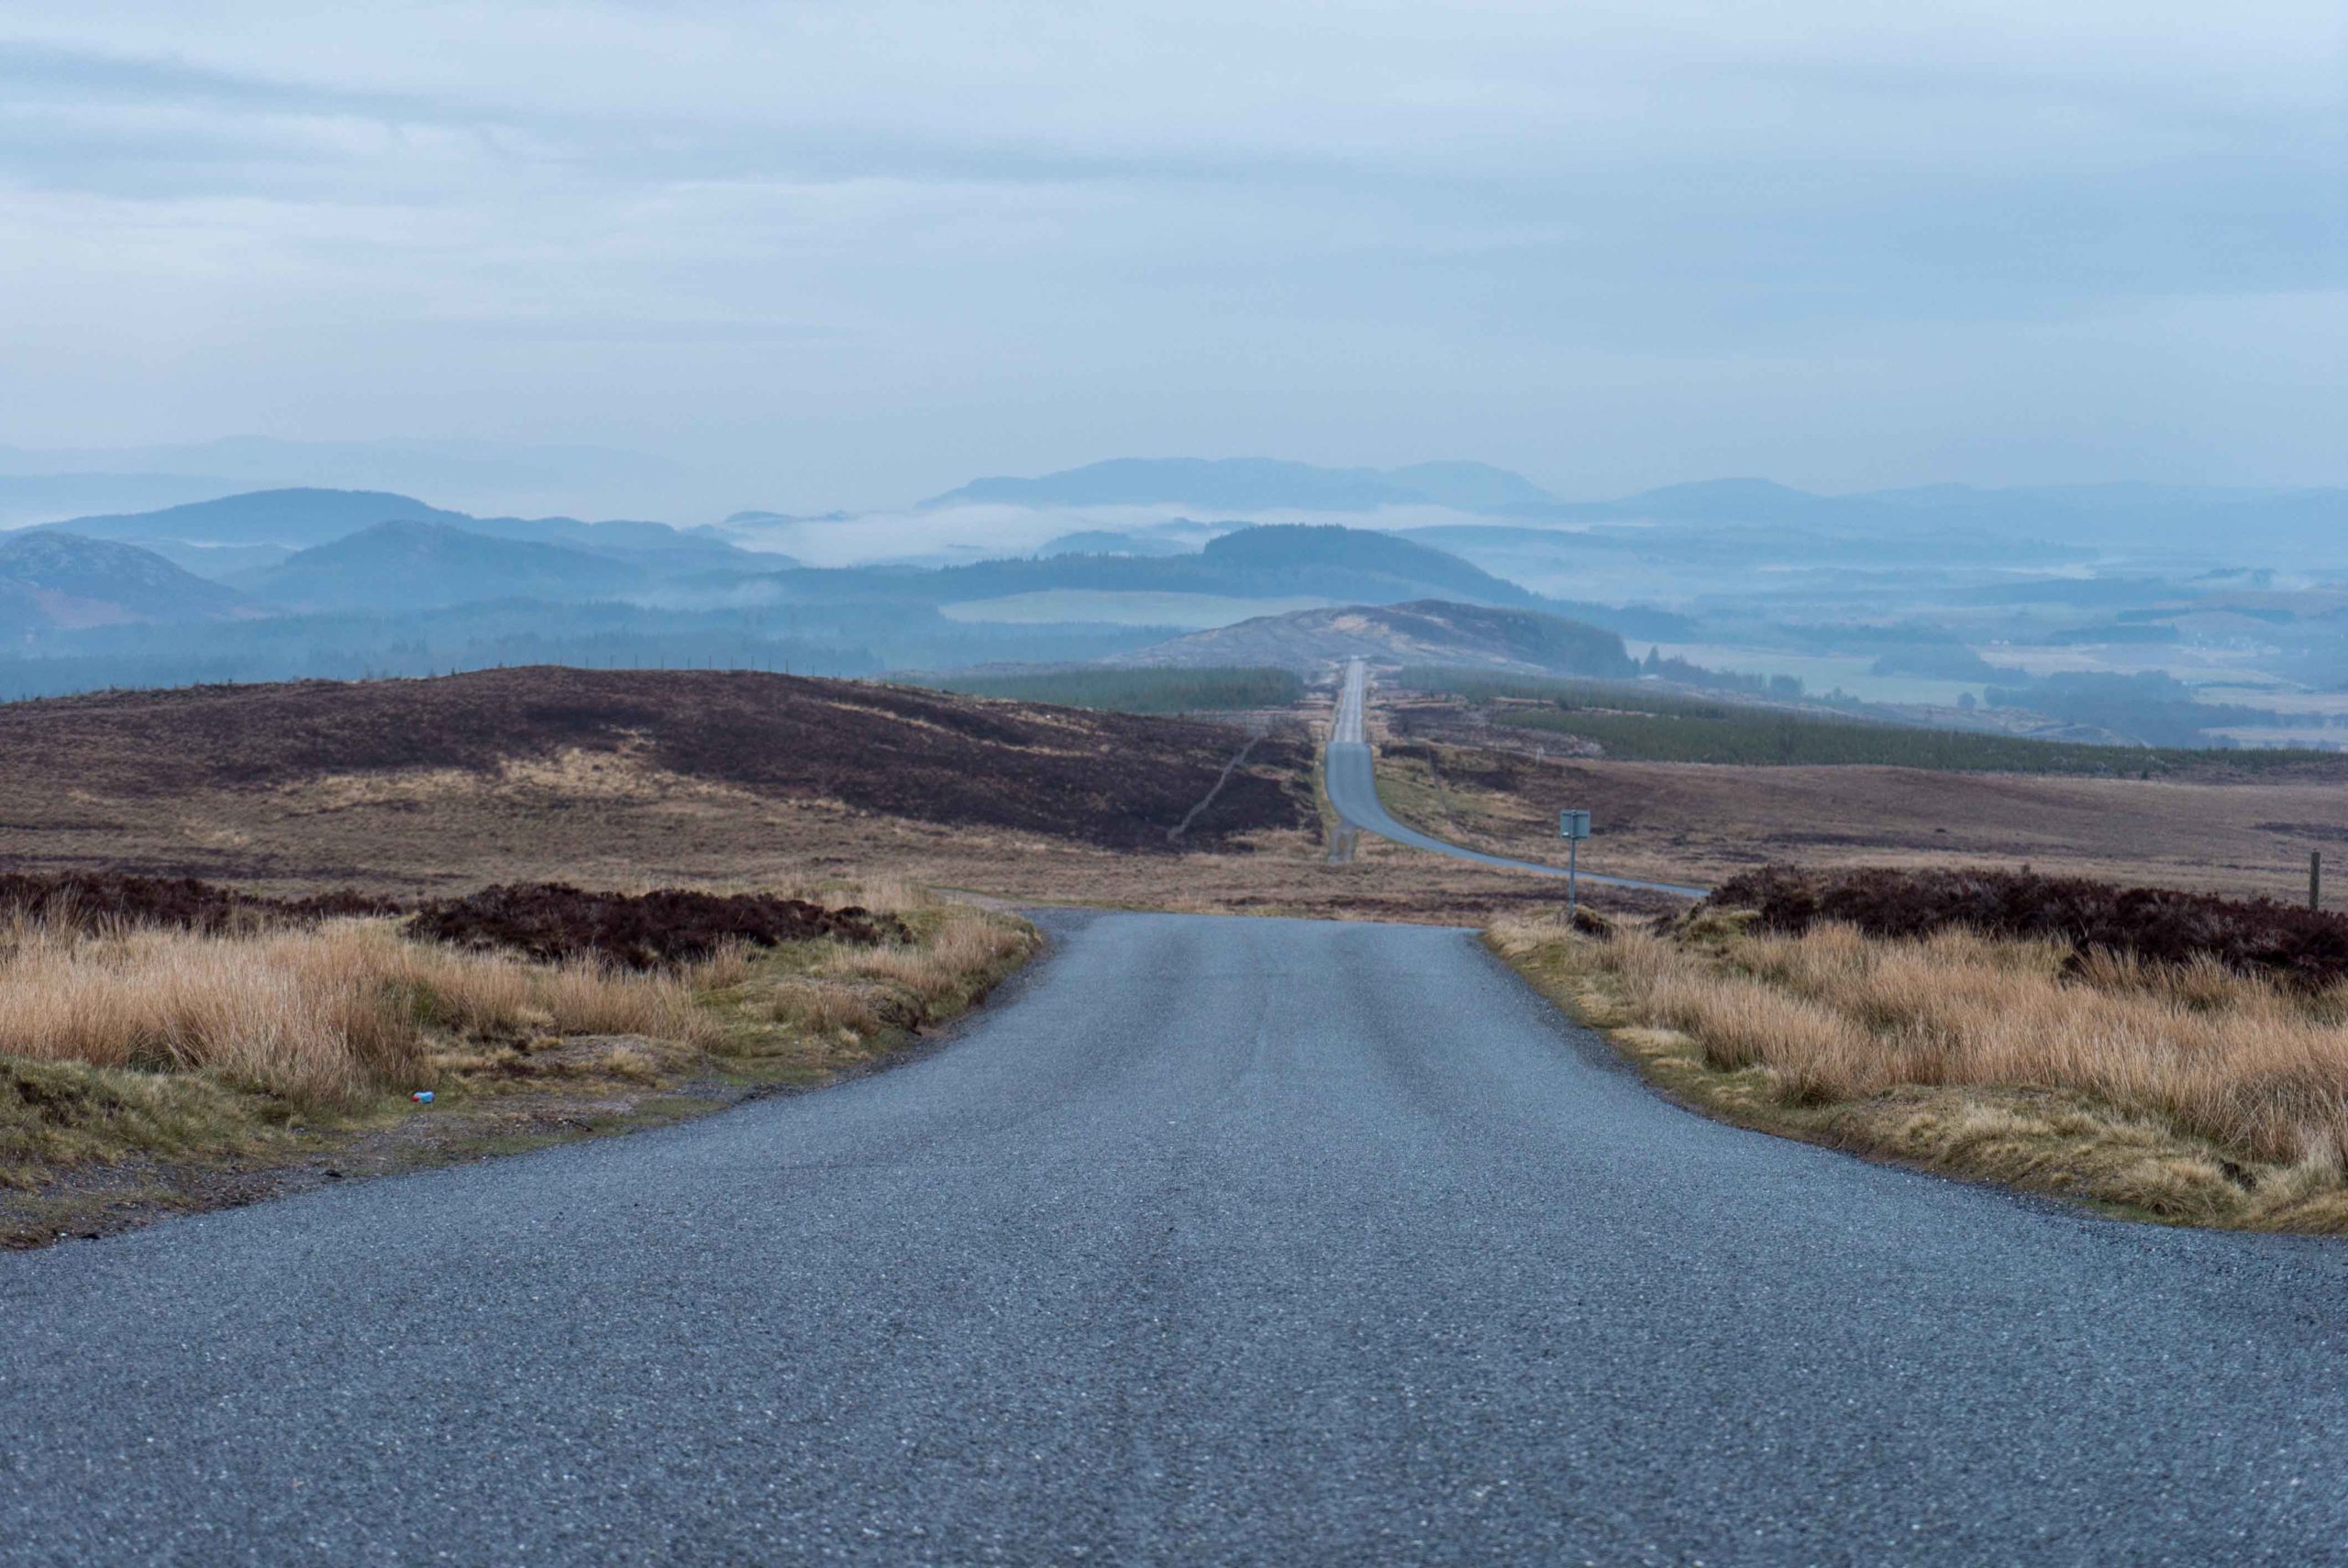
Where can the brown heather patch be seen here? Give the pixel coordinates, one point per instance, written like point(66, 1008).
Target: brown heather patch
point(2305, 947)
point(82, 901)
point(554, 922)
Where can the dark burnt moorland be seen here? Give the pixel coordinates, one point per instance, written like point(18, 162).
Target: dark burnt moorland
point(1115, 781)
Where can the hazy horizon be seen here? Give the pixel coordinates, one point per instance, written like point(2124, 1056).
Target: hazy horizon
point(492, 478)
point(813, 259)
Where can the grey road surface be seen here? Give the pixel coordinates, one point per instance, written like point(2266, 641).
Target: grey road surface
point(1351, 783)
point(1223, 1240)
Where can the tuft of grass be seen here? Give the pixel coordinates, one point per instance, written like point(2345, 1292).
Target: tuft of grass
point(54, 1115)
point(955, 962)
point(826, 1009)
point(2182, 1092)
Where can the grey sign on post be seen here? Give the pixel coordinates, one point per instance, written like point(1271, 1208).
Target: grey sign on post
point(1573, 827)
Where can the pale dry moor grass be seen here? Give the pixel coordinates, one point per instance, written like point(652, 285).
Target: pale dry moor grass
point(176, 1067)
point(2181, 1092)
point(1702, 823)
point(327, 1018)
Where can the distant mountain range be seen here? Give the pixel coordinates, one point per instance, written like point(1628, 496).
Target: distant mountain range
point(230, 537)
point(298, 582)
point(1425, 632)
point(281, 551)
point(2276, 524)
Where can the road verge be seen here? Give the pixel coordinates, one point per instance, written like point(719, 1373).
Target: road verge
point(146, 1072)
point(2148, 1092)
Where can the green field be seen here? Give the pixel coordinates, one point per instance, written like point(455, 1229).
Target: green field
point(1640, 725)
point(1138, 691)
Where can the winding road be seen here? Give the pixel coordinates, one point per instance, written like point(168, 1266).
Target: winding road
point(1349, 772)
point(1216, 1241)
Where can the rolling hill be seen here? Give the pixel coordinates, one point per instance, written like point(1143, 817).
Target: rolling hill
point(412, 564)
point(1427, 632)
point(53, 580)
point(1272, 561)
point(294, 517)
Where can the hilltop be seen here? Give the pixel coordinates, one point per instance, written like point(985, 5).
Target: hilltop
point(296, 518)
point(53, 580)
point(1424, 632)
point(1267, 561)
point(420, 565)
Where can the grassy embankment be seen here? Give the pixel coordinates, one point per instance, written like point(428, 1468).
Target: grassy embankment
point(1638, 724)
point(2182, 1092)
point(144, 1071)
point(1216, 689)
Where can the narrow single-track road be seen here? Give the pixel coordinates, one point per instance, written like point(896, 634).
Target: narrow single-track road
point(1350, 775)
point(1221, 1242)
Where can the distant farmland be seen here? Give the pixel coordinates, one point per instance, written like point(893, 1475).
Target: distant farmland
point(1636, 725)
point(1138, 691)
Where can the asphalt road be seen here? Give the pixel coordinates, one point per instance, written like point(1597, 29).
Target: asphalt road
point(1222, 1241)
point(1350, 776)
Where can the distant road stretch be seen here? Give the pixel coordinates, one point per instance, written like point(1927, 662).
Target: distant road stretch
point(1353, 789)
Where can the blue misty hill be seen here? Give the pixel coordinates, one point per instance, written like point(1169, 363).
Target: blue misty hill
point(284, 520)
point(410, 564)
point(51, 579)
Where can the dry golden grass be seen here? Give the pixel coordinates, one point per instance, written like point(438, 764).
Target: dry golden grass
point(335, 1016)
point(329, 1017)
point(820, 1008)
point(163, 1053)
point(941, 968)
point(807, 1011)
point(2189, 1093)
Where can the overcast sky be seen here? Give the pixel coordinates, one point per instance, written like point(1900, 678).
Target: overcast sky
point(849, 252)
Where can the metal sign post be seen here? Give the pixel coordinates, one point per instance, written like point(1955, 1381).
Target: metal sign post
point(1573, 827)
